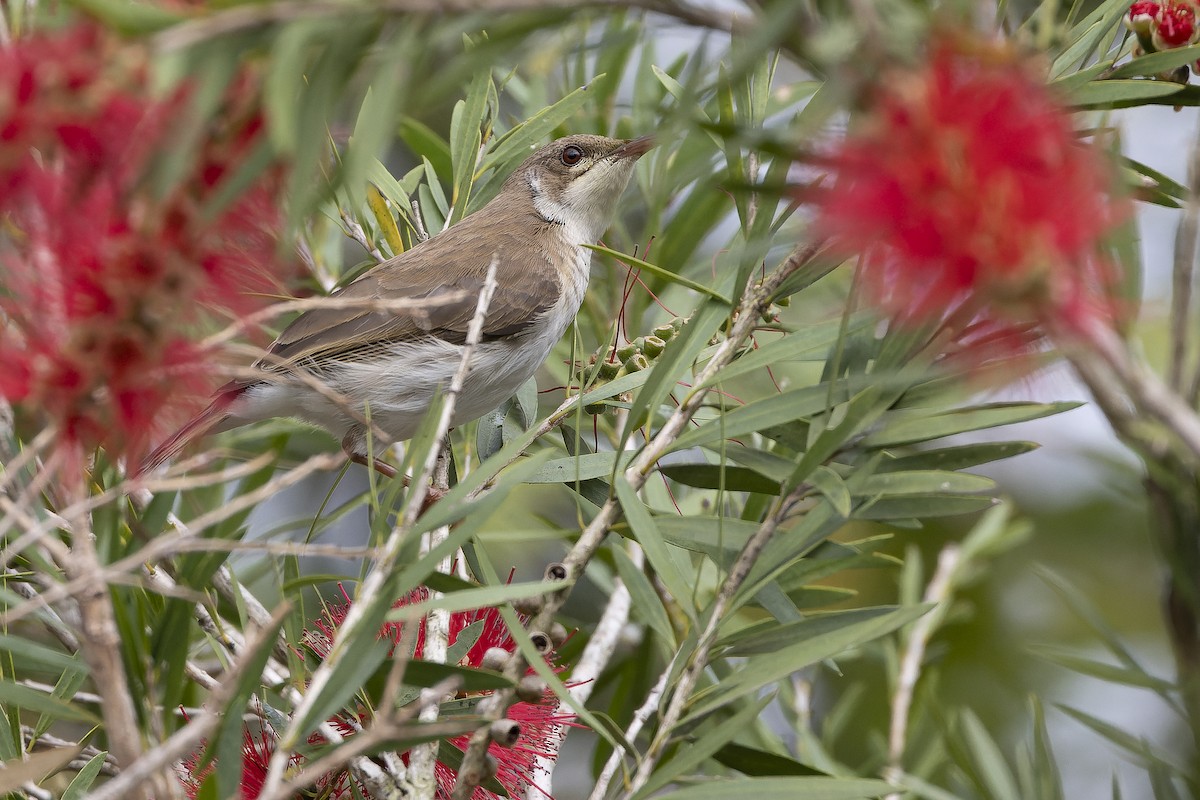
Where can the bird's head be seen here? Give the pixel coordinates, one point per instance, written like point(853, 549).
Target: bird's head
point(576, 181)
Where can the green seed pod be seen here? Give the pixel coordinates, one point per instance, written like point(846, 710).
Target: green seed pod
point(608, 369)
point(637, 363)
point(665, 332)
point(626, 351)
point(595, 409)
point(653, 346)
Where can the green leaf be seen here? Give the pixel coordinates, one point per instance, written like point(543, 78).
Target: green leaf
point(988, 761)
point(489, 433)
point(1087, 35)
point(711, 536)
point(750, 761)
point(525, 403)
point(1111, 673)
point(135, 19)
point(19, 696)
point(424, 141)
point(923, 789)
point(645, 531)
point(580, 467)
point(83, 780)
point(929, 482)
point(758, 672)
point(906, 427)
point(1153, 63)
point(832, 488)
point(957, 457)
point(771, 637)
point(761, 414)
point(921, 506)
point(645, 600)
point(720, 476)
point(814, 788)
point(659, 272)
point(284, 82)
point(805, 344)
point(1135, 745)
point(466, 136)
point(28, 652)
point(520, 141)
point(1106, 94)
point(426, 674)
point(349, 674)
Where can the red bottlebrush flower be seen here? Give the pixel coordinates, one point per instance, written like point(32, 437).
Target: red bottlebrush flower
point(968, 197)
point(257, 746)
point(103, 282)
point(538, 721)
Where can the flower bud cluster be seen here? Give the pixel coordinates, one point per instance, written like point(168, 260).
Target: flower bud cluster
point(609, 363)
point(1162, 26)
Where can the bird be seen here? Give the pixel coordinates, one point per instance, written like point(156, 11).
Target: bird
point(336, 367)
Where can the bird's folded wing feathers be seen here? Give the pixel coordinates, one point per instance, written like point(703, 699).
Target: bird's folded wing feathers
point(446, 296)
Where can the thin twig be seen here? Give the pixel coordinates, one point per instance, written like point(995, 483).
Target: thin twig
point(640, 718)
point(422, 759)
point(938, 593)
point(418, 221)
point(356, 232)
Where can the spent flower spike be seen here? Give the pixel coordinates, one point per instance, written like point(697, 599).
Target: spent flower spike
point(969, 199)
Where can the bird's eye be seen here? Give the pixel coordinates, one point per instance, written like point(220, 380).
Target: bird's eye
point(572, 155)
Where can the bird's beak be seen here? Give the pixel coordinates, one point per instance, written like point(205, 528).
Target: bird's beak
point(634, 148)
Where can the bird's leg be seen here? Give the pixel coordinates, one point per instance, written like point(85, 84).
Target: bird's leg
point(382, 467)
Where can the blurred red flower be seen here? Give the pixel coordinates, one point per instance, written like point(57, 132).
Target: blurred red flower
point(969, 199)
point(103, 276)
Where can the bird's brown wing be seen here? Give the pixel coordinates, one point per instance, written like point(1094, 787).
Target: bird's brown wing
point(444, 275)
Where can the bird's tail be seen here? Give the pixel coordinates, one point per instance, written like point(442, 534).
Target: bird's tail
point(199, 426)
